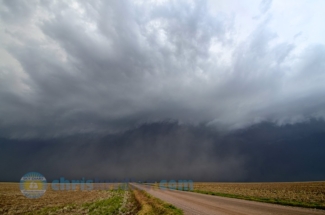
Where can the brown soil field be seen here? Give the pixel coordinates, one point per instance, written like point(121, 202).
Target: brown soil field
point(305, 194)
point(12, 201)
point(103, 199)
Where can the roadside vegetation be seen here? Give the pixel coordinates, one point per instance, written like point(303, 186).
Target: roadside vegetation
point(299, 194)
point(150, 205)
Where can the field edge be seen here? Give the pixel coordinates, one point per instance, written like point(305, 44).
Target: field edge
point(265, 200)
point(151, 205)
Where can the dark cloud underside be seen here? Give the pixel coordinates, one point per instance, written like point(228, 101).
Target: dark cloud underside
point(264, 152)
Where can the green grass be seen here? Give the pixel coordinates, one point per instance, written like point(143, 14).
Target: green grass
point(106, 206)
point(266, 200)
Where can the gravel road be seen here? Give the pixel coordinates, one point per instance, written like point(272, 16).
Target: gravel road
point(195, 203)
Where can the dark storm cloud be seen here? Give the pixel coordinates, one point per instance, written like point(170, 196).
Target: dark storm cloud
point(106, 66)
point(264, 152)
point(116, 89)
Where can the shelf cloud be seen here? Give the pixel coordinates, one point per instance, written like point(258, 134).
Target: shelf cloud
point(168, 89)
point(108, 66)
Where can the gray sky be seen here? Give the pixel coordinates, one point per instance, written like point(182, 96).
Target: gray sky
point(104, 66)
point(136, 89)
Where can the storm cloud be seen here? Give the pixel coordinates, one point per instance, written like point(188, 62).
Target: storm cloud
point(168, 150)
point(106, 66)
point(172, 80)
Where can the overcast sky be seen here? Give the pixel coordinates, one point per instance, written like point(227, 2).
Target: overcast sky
point(204, 90)
point(69, 67)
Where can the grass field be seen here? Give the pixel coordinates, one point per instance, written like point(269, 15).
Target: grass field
point(113, 201)
point(302, 194)
point(66, 202)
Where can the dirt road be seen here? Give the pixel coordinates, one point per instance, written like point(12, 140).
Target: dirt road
point(195, 203)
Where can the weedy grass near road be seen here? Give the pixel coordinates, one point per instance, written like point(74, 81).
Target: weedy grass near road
point(300, 194)
point(154, 206)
